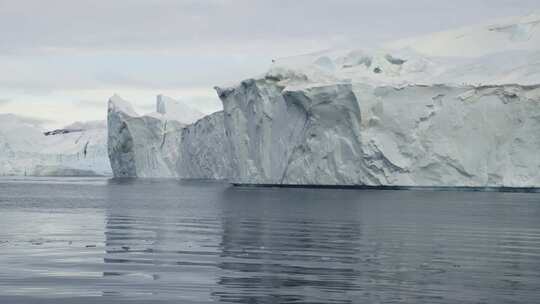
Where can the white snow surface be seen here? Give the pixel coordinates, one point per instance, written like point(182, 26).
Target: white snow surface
point(508, 34)
point(502, 52)
point(457, 108)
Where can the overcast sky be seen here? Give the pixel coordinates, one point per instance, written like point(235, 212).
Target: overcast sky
point(61, 59)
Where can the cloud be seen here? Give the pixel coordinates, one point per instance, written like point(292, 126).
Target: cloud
point(96, 104)
point(53, 112)
point(4, 101)
point(69, 55)
point(217, 25)
point(36, 121)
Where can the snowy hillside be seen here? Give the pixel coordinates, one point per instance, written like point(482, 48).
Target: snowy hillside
point(502, 52)
point(508, 34)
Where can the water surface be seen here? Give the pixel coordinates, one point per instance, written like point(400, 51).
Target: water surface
point(93, 240)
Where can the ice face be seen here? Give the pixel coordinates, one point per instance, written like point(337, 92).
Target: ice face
point(135, 142)
point(345, 134)
point(160, 146)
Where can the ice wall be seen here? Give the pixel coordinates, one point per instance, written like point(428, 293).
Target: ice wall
point(356, 134)
point(158, 146)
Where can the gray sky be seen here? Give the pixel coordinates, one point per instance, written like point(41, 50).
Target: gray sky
point(62, 59)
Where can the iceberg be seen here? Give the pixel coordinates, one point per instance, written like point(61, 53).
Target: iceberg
point(159, 145)
point(453, 109)
point(354, 134)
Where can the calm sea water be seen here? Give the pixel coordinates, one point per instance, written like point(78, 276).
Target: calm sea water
point(154, 241)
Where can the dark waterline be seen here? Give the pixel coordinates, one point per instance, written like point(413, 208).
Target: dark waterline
point(93, 240)
point(413, 188)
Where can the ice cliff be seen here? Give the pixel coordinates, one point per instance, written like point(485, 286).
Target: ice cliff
point(159, 145)
point(418, 135)
point(458, 108)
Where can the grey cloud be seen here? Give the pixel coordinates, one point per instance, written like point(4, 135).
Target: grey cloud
point(96, 104)
point(149, 25)
point(36, 121)
point(4, 101)
point(119, 79)
point(55, 45)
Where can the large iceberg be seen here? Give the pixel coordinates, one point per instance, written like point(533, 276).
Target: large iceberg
point(417, 135)
point(458, 108)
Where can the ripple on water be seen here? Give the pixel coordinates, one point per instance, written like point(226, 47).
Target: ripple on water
point(200, 242)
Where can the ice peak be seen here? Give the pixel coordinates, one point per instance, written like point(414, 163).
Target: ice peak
point(161, 103)
point(117, 104)
point(176, 109)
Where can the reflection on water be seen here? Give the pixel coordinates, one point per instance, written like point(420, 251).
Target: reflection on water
point(169, 241)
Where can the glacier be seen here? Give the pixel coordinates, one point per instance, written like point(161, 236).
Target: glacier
point(459, 108)
point(79, 149)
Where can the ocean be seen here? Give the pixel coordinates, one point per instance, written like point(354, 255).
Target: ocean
point(98, 240)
